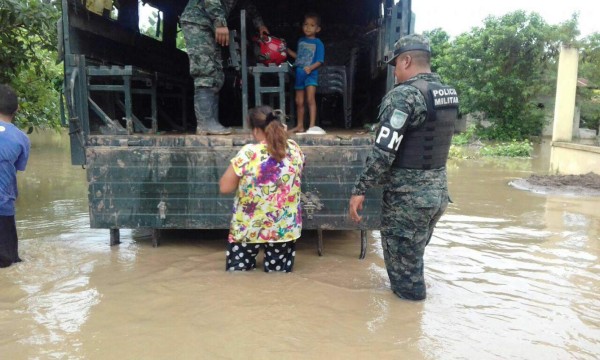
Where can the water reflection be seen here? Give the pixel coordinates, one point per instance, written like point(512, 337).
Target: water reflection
point(510, 274)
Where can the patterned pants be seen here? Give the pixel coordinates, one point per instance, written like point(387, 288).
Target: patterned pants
point(206, 64)
point(278, 256)
point(408, 221)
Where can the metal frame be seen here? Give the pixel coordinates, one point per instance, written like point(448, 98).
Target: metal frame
point(257, 71)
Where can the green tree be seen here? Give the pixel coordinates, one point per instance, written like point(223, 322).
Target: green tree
point(589, 69)
point(502, 68)
point(27, 60)
point(440, 45)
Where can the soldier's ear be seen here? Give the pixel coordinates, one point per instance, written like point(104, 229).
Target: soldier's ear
point(406, 61)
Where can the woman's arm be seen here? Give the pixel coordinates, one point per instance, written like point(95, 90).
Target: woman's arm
point(229, 181)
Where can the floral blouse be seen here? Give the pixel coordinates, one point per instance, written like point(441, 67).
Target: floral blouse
point(266, 207)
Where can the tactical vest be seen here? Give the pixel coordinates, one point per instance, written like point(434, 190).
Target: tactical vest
point(427, 146)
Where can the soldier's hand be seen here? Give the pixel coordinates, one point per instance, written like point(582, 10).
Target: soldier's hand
point(222, 35)
point(356, 204)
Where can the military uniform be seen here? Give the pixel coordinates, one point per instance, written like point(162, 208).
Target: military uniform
point(198, 22)
point(410, 165)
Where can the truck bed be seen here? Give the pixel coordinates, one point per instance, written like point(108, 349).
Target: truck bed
point(170, 181)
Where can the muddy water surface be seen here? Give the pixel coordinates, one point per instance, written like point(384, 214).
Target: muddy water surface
point(511, 275)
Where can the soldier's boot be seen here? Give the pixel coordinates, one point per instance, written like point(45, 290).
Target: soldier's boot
point(206, 107)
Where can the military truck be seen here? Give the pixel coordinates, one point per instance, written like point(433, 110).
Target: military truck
point(129, 102)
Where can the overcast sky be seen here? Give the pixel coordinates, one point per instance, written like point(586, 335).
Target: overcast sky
point(459, 16)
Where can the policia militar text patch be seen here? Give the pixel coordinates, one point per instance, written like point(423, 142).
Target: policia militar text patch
point(444, 97)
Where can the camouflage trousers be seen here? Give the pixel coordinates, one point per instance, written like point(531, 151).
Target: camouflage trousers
point(206, 64)
point(408, 220)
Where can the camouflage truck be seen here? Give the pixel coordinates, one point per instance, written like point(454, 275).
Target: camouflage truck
point(129, 102)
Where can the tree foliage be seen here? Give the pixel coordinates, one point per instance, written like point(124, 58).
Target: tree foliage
point(503, 68)
point(589, 69)
point(27, 60)
point(440, 44)
point(500, 70)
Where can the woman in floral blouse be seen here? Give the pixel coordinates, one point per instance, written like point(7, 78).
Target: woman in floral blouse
point(266, 208)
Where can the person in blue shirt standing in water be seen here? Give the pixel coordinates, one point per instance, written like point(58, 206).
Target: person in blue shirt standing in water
point(309, 56)
point(14, 153)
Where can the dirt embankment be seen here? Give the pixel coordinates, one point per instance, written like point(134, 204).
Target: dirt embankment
point(580, 185)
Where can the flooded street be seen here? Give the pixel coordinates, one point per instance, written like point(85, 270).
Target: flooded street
point(510, 274)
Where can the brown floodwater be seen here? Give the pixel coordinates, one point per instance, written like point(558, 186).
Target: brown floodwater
point(510, 275)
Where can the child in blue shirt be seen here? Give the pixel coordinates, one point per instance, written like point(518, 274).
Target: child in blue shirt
point(14, 153)
point(309, 56)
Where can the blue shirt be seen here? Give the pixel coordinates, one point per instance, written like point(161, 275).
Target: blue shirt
point(14, 153)
point(309, 52)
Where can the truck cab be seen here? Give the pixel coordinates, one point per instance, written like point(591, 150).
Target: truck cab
point(129, 99)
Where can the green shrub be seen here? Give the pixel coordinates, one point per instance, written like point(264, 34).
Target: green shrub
point(590, 114)
point(466, 137)
point(511, 149)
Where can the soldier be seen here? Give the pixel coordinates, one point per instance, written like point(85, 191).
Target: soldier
point(416, 124)
point(204, 25)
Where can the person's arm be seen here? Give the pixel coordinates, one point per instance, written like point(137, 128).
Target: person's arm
point(21, 162)
point(291, 53)
point(313, 67)
point(257, 20)
point(217, 13)
point(237, 168)
point(318, 58)
point(229, 181)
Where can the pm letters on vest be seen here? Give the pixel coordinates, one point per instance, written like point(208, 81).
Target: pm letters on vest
point(444, 97)
point(388, 140)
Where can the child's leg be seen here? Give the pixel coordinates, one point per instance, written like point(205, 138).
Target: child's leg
point(312, 104)
point(299, 111)
point(280, 256)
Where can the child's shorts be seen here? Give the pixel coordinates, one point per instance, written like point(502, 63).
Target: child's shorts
point(278, 256)
point(303, 79)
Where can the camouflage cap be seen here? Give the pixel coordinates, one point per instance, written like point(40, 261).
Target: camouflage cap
point(408, 43)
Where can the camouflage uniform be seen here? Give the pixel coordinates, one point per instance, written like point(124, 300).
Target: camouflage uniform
point(413, 199)
point(198, 22)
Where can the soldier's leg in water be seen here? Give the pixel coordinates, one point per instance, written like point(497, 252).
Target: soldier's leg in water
point(409, 230)
point(444, 200)
point(404, 264)
point(404, 235)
